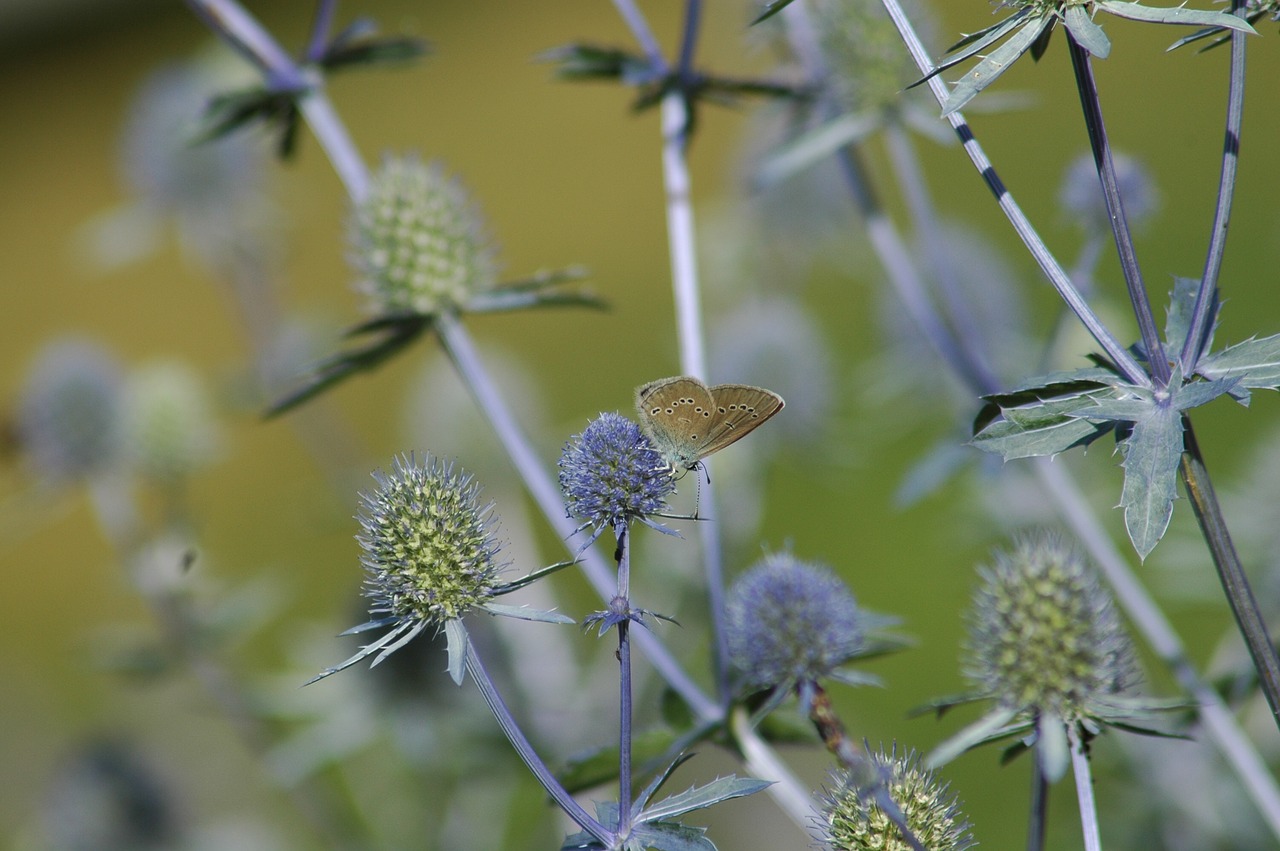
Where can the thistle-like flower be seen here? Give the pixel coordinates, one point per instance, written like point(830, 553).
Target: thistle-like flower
point(1047, 645)
point(430, 555)
point(67, 419)
point(166, 423)
point(1081, 193)
point(789, 622)
point(611, 474)
point(418, 242)
point(854, 821)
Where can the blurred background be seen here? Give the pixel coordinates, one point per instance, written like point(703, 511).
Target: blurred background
point(193, 289)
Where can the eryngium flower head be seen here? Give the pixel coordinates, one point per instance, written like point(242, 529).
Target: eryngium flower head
point(611, 474)
point(167, 425)
point(855, 822)
point(417, 241)
point(429, 545)
point(1081, 192)
point(67, 419)
point(1044, 634)
point(788, 621)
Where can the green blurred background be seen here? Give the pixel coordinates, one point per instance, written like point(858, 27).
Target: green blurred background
point(566, 174)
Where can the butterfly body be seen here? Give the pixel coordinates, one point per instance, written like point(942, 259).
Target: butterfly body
point(686, 420)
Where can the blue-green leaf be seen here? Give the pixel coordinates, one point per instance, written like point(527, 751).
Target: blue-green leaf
point(1176, 15)
point(1087, 34)
point(1182, 302)
point(996, 63)
point(1011, 440)
point(991, 725)
point(975, 42)
point(525, 613)
point(668, 836)
point(815, 145)
point(1197, 393)
point(456, 640)
point(1152, 453)
point(1256, 363)
point(700, 797)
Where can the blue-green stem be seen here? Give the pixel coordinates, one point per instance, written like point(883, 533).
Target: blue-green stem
point(1219, 721)
point(1202, 313)
point(1084, 789)
point(526, 752)
point(1101, 147)
point(1044, 258)
point(1038, 819)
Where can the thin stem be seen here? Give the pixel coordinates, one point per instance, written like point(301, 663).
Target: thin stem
point(1058, 277)
point(689, 37)
point(624, 683)
point(639, 27)
point(1230, 571)
point(1038, 818)
point(242, 31)
point(526, 752)
point(762, 761)
point(1094, 123)
point(320, 29)
point(1201, 315)
point(461, 350)
point(1084, 790)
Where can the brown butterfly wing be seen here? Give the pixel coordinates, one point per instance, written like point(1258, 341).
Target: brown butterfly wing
point(676, 414)
point(739, 410)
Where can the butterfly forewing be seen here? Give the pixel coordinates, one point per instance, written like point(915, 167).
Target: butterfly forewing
point(687, 421)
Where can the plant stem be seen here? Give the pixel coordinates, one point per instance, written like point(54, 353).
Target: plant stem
point(1206, 297)
point(1084, 790)
point(623, 554)
point(762, 761)
point(1098, 142)
point(1230, 571)
point(526, 752)
point(1061, 281)
point(461, 350)
point(1038, 819)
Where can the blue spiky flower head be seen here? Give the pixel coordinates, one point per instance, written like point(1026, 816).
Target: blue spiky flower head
point(789, 621)
point(611, 474)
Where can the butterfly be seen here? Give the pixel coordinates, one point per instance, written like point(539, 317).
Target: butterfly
point(686, 420)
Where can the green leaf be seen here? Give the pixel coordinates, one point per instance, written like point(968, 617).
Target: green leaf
point(1087, 34)
point(989, 726)
point(815, 145)
point(1041, 44)
point(1197, 393)
point(1255, 363)
point(525, 613)
point(456, 640)
point(1182, 302)
point(994, 64)
point(1010, 440)
point(589, 61)
point(1152, 453)
point(975, 42)
point(1126, 405)
point(400, 332)
point(1043, 387)
point(668, 836)
point(1176, 15)
point(770, 10)
point(700, 797)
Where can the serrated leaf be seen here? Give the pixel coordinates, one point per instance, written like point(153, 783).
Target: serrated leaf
point(1087, 34)
point(984, 729)
point(668, 836)
point(1152, 453)
point(1182, 302)
point(972, 43)
point(1010, 440)
point(1255, 363)
point(994, 64)
point(1197, 393)
point(1042, 388)
point(700, 797)
point(815, 145)
point(1177, 15)
point(1128, 406)
point(646, 794)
